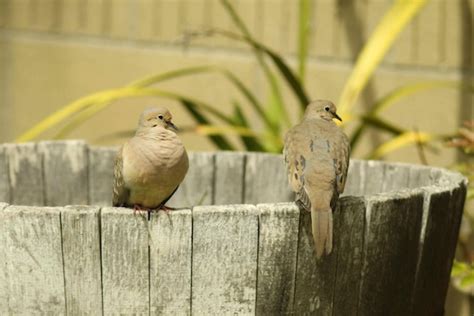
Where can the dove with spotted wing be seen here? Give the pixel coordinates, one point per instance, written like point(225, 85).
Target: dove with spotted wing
point(317, 158)
point(150, 166)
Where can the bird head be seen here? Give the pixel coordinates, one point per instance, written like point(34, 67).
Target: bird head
point(156, 117)
point(321, 109)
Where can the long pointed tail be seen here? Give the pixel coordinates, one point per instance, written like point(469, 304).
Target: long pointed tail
point(321, 223)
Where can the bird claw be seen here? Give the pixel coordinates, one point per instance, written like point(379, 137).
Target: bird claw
point(167, 209)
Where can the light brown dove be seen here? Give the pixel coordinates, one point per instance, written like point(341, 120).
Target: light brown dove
point(317, 158)
point(150, 166)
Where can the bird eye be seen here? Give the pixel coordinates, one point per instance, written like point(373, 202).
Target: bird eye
point(160, 117)
point(326, 109)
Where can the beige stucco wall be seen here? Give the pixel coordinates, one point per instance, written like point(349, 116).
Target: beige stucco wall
point(55, 51)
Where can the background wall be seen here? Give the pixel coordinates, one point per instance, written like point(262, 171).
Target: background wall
point(55, 51)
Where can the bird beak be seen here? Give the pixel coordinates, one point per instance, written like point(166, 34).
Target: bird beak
point(172, 126)
point(337, 117)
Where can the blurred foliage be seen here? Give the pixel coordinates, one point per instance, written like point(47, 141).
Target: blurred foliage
point(272, 110)
point(463, 271)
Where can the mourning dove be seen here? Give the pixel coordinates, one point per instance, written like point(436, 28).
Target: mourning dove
point(150, 166)
point(317, 157)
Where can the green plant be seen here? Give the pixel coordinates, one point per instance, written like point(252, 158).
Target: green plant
point(272, 111)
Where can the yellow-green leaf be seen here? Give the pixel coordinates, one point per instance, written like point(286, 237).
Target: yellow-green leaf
point(403, 140)
point(384, 35)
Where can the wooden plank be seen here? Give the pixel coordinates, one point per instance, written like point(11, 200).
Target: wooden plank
point(32, 281)
point(101, 175)
point(26, 174)
point(65, 166)
point(259, 169)
point(317, 281)
point(170, 263)
point(82, 266)
point(355, 178)
point(229, 178)
point(420, 176)
point(373, 177)
point(225, 243)
point(349, 225)
point(125, 273)
point(393, 226)
point(396, 177)
point(278, 241)
point(198, 186)
point(4, 178)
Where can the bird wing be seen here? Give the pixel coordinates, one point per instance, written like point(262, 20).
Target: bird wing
point(120, 192)
point(295, 160)
point(341, 153)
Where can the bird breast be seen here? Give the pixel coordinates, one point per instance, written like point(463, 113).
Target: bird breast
point(155, 160)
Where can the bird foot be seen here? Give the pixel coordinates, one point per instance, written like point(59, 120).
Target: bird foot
point(139, 208)
point(167, 209)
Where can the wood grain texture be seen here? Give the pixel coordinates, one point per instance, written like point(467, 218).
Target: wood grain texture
point(65, 172)
point(316, 279)
point(278, 242)
point(355, 178)
point(81, 253)
point(225, 246)
point(373, 177)
point(393, 226)
point(229, 178)
point(101, 175)
point(4, 176)
point(266, 179)
point(396, 177)
point(32, 279)
point(349, 227)
point(170, 263)
point(125, 266)
point(420, 176)
point(198, 185)
point(26, 174)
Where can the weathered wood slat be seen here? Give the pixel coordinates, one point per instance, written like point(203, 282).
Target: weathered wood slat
point(355, 179)
point(65, 172)
point(225, 243)
point(420, 176)
point(198, 186)
point(125, 266)
point(373, 174)
point(314, 278)
point(396, 177)
point(349, 225)
point(278, 241)
point(393, 227)
point(266, 179)
point(81, 254)
point(26, 174)
point(32, 279)
point(170, 263)
point(101, 175)
point(229, 178)
point(4, 176)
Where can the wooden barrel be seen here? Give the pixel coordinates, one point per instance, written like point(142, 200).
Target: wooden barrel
point(236, 247)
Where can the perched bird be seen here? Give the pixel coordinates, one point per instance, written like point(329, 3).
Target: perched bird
point(317, 158)
point(150, 166)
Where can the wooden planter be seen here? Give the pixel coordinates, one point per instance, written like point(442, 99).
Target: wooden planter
point(394, 239)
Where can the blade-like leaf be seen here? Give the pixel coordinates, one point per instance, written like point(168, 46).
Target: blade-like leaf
point(277, 111)
point(251, 142)
point(386, 32)
point(102, 99)
point(403, 140)
point(402, 92)
point(218, 140)
point(304, 19)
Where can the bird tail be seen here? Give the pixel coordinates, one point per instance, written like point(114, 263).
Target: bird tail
point(321, 223)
